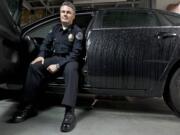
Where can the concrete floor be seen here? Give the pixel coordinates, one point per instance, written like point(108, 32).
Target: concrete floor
point(132, 116)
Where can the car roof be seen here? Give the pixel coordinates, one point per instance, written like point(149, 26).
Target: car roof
point(138, 9)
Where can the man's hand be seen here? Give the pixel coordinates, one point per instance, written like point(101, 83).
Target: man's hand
point(53, 68)
point(38, 59)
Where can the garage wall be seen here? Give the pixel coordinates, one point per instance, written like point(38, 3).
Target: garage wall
point(95, 1)
point(162, 4)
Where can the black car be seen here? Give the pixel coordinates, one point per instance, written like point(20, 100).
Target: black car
point(128, 52)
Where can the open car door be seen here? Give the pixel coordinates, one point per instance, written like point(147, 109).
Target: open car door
point(9, 39)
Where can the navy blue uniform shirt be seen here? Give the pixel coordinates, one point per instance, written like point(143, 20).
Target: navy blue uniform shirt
point(66, 43)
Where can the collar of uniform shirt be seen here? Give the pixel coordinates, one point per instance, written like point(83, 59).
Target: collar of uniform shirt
point(64, 27)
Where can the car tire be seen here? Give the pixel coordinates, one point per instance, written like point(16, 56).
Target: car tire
point(172, 95)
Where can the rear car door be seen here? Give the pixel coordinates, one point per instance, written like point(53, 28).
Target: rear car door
point(129, 51)
point(9, 39)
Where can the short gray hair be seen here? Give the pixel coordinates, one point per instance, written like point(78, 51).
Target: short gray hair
point(69, 4)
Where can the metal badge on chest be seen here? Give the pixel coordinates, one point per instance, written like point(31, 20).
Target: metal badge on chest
point(70, 37)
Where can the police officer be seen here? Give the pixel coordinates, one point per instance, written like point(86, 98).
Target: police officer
point(59, 54)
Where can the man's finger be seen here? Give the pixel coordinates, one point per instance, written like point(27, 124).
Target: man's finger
point(42, 61)
point(47, 68)
point(34, 61)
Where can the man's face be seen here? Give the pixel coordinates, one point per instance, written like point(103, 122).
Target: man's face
point(67, 15)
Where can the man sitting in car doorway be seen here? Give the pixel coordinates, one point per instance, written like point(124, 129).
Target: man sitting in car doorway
point(65, 39)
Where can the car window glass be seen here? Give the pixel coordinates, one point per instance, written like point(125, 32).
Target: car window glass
point(42, 30)
point(128, 19)
point(13, 6)
point(175, 20)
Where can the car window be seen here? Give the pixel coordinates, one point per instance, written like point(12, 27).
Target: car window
point(174, 19)
point(13, 6)
point(128, 19)
point(41, 30)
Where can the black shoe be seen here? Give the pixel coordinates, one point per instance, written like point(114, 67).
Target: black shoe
point(69, 122)
point(23, 114)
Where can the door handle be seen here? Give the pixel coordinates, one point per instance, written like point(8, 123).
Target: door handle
point(163, 35)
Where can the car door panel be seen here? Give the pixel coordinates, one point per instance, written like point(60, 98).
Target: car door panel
point(8, 27)
point(129, 58)
point(9, 43)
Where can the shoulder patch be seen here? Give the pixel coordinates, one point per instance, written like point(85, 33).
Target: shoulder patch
point(79, 36)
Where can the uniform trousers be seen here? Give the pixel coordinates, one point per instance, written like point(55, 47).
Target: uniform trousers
point(38, 76)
